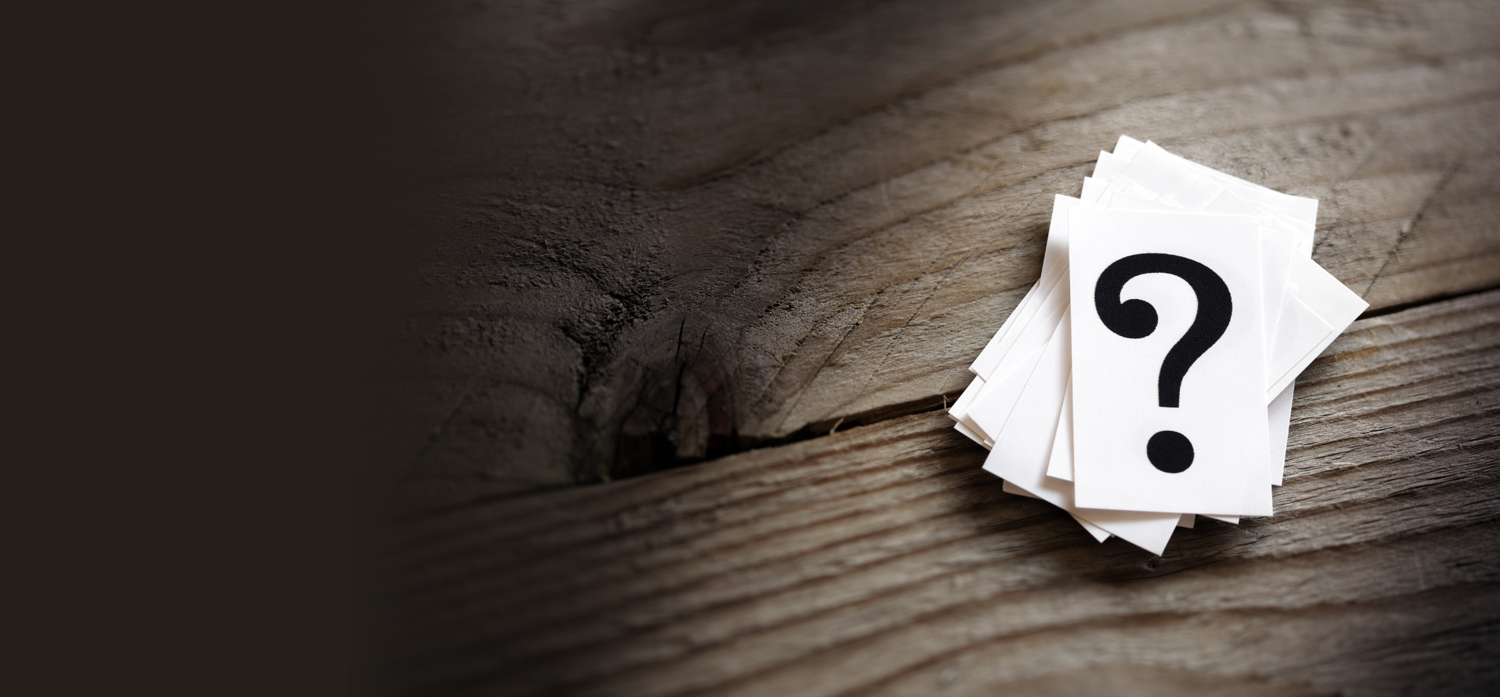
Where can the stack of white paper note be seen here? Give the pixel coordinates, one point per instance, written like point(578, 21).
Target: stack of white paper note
point(1147, 376)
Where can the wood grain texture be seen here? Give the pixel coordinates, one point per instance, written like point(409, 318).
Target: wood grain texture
point(658, 232)
point(731, 258)
point(882, 560)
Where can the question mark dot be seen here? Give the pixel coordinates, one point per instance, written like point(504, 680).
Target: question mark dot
point(1170, 451)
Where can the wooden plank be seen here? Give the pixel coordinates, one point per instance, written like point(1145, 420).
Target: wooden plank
point(644, 249)
point(882, 559)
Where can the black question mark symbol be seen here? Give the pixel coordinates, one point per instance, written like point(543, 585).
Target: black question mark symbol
point(1169, 451)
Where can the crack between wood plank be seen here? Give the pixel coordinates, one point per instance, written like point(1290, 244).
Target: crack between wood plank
point(817, 429)
point(1402, 307)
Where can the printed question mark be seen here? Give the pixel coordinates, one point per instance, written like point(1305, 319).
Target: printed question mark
point(1169, 451)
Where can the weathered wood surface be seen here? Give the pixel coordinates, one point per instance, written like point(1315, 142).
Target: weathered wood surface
point(659, 232)
point(882, 560)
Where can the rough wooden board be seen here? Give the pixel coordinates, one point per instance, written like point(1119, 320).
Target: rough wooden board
point(883, 560)
point(662, 231)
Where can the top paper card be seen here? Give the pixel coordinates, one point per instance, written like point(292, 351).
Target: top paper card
point(1168, 348)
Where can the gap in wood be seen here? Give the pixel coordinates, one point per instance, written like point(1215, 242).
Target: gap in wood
point(828, 427)
point(1402, 307)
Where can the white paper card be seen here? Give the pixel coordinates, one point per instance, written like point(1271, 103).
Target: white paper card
point(1173, 409)
point(1066, 424)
